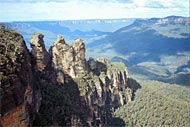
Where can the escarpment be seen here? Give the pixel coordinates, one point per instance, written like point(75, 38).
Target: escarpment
point(59, 87)
point(19, 98)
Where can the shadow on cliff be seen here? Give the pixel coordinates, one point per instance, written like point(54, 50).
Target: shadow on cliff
point(116, 122)
point(61, 104)
point(133, 85)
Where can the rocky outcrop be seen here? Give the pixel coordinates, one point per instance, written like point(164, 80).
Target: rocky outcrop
point(69, 58)
point(106, 86)
point(39, 52)
point(19, 100)
point(100, 83)
point(73, 91)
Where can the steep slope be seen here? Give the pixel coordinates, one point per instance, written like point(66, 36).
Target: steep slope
point(149, 43)
point(19, 98)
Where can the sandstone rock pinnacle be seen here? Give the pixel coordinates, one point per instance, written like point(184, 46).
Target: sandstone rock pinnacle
point(69, 58)
point(39, 51)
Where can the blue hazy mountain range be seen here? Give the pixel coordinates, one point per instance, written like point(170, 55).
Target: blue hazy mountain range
point(154, 48)
point(88, 30)
point(147, 37)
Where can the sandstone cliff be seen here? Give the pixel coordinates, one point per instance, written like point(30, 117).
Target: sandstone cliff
point(18, 98)
point(59, 87)
point(69, 58)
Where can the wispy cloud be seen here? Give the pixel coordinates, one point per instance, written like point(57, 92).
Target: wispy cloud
point(31, 1)
point(12, 10)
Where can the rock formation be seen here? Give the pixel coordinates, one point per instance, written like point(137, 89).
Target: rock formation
point(74, 91)
point(39, 51)
point(69, 58)
point(97, 80)
point(18, 98)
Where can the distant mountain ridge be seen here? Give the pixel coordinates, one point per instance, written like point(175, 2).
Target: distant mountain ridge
point(101, 24)
point(160, 22)
point(89, 30)
point(145, 34)
point(157, 40)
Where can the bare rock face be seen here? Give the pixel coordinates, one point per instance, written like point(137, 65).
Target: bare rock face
point(79, 48)
point(69, 58)
point(118, 74)
point(104, 85)
point(18, 98)
point(39, 51)
point(100, 82)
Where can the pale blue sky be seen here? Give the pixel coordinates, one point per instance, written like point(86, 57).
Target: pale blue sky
point(35, 10)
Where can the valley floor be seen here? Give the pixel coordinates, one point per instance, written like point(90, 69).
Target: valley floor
point(157, 104)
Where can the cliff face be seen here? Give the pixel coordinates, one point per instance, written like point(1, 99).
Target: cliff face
point(74, 91)
point(18, 97)
point(104, 89)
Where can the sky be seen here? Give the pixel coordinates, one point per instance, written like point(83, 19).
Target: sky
point(38, 10)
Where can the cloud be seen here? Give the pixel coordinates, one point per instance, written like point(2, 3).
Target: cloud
point(12, 10)
point(122, 1)
point(32, 1)
point(154, 4)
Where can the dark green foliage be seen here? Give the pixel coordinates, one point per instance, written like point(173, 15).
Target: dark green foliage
point(82, 85)
point(61, 105)
point(157, 104)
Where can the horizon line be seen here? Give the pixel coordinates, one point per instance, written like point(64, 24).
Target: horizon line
point(52, 20)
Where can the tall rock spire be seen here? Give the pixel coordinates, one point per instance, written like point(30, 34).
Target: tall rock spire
point(39, 51)
point(69, 58)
